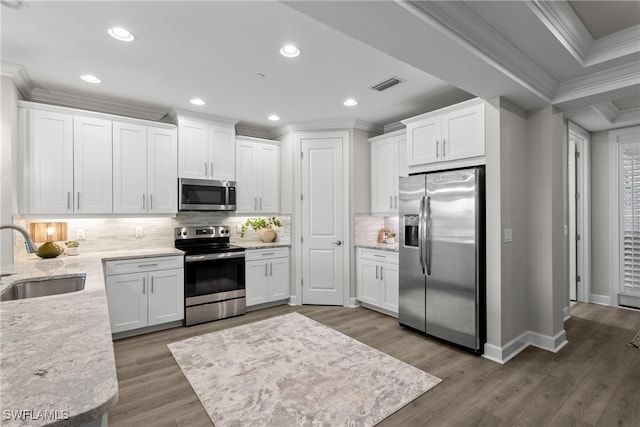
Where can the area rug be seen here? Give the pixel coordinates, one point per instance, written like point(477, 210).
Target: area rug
point(293, 371)
point(635, 342)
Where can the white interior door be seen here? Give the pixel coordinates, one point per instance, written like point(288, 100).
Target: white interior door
point(323, 251)
point(579, 217)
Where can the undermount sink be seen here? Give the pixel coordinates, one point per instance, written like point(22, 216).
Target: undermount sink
point(31, 288)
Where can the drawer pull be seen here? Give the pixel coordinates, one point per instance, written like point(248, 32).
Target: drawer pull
point(268, 253)
point(379, 256)
point(147, 265)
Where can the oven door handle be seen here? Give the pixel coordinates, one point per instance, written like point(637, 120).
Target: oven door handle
point(213, 257)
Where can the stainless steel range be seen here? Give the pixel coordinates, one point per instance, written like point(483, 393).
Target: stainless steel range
point(214, 282)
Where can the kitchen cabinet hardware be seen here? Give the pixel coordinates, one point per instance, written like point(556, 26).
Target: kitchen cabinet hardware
point(381, 268)
point(268, 253)
point(265, 269)
point(78, 200)
point(379, 256)
point(144, 285)
point(260, 203)
point(147, 265)
point(69, 200)
point(270, 269)
point(390, 202)
point(396, 198)
point(255, 203)
point(437, 148)
point(444, 148)
point(376, 272)
point(152, 282)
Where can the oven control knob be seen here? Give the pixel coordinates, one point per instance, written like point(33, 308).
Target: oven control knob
point(184, 233)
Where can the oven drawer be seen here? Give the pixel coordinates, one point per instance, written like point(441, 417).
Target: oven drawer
point(139, 265)
point(260, 254)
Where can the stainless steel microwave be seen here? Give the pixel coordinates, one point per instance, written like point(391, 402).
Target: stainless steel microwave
point(206, 195)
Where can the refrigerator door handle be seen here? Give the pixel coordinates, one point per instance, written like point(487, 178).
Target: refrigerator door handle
point(427, 239)
point(421, 215)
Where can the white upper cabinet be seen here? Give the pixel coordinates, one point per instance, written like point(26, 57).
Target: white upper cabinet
point(92, 167)
point(67, 163)
point(144, 169)
point(257, 176)
point(92, 163)
point(388, 163)
point(162, 170)
point(47, 143)
point(449, 134)
point(206, 150)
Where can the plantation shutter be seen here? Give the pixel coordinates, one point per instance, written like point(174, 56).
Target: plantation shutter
point(630, 181)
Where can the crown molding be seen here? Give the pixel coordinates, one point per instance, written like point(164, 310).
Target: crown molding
point(93, 104)
point(607, 110)
point(564, 24)
point(462, 24)
point(327, 125)
point(252, 131)
point(568, 29)
point(175, 114)
point(620, 77)
point(614, 46)
point(395, 126)
point(20, 77)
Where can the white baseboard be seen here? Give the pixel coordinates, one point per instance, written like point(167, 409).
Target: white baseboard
point(352, 303)
point(510, 350)
point(293, 300)
point(566, 314)
point(600, 299)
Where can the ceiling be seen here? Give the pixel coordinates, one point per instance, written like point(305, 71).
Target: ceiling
point(579, 56)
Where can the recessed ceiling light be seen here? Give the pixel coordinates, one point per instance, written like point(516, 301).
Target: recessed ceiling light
point(290, 51)
point(273, 118)
point(121, 34)
point(350, 102)
point(90, 78)
point(197, 101)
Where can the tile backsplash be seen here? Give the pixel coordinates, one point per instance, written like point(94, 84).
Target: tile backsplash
point(109, 234)
point(367, 227)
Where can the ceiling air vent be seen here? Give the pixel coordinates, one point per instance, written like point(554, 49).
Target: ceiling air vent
point(386, 84)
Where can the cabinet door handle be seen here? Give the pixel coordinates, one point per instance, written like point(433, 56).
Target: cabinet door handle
point(68, 200)
point(396, 202)
point(266, 269)
point(390, 202)
point(78, 200)
point(255, 203)
point(376, 272)
point(444, 151)
point(152, 282)
point(144, 285)
point(437, 148)
point(147, 265)
point(206, 169)
point(260, 203)
point(144, 203)
point(270, 269)
point(380, 272)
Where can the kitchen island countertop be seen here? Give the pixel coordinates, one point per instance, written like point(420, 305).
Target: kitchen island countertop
point(56, 356)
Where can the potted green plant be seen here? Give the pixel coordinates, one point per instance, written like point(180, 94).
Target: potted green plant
point(264, 226)
point(73, 247)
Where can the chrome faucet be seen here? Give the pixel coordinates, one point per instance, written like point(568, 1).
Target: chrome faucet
point(28, 243)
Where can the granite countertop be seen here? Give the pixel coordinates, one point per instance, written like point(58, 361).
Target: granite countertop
point(56, 353)
point(395, 247)
point(256, 244)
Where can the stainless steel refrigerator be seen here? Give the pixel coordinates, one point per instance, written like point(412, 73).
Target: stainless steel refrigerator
point(442, 263)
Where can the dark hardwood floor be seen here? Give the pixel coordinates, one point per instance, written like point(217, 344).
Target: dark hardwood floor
point(593, 381)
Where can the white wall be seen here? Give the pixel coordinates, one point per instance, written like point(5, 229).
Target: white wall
point(600, 215)
point(8, 160)
point(546, 222)
point(515, 216)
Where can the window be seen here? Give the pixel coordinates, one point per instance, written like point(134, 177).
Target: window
point(629, 163)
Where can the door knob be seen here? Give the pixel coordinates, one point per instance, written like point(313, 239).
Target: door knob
point(339, 242)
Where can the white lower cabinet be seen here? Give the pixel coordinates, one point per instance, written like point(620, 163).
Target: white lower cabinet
point(267, 275)
point(144, 292)
point(378, 279)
